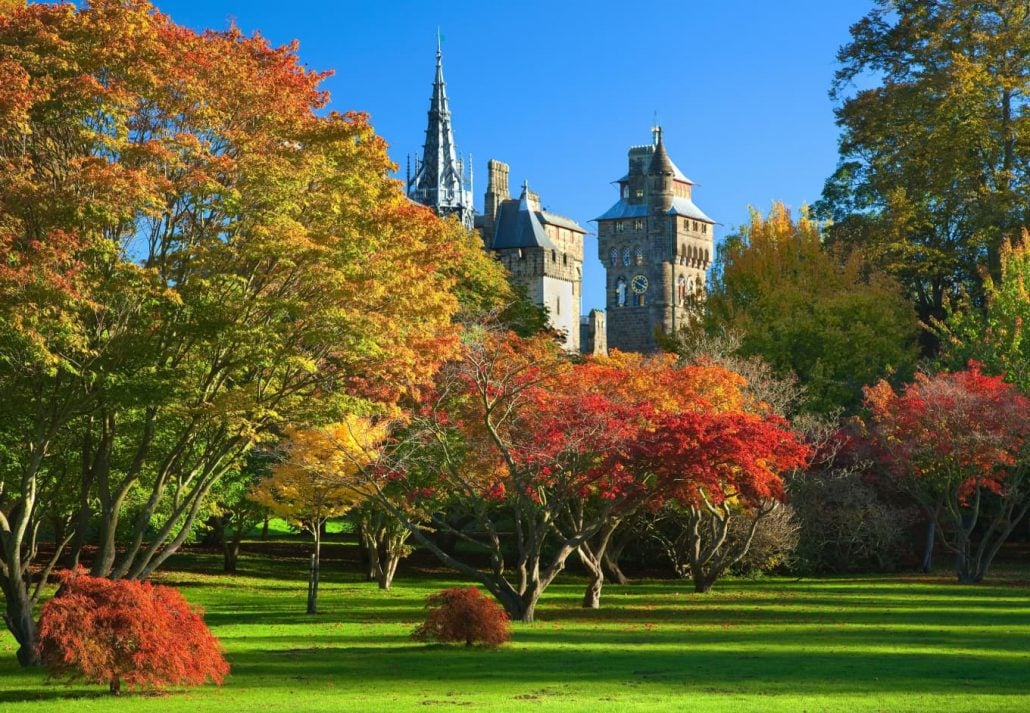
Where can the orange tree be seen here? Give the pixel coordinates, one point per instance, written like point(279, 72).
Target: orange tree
point(956, 443)
point(129, 632)
point(195, 255)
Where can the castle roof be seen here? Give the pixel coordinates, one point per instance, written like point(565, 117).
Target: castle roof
point(624, 210)
point(518, 226)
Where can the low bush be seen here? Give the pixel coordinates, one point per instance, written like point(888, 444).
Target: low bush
point(464, 614)
point(126, 632)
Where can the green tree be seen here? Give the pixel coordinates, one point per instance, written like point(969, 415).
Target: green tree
point(994, 336)
point(830, 319)
point(934, 160)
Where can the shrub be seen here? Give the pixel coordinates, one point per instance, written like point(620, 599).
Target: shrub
point(847, 525)
point(126, 631)
point(773, 544)
point(463, 614)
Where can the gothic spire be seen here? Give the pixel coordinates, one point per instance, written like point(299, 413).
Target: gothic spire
point(439, 180)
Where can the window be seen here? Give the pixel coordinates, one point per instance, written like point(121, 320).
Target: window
point(686, 224)
point(557, 306)
point(554, 256)
point(522, 253)
point(638, 224)
point(564, 259)
point(681, 290)
point(619, 226)
point(640, 193)
point(613, 256)
point(625, 191)
point(620, 292)
point(639, 254)
point(627, 257)
point(641, 302)
point(704, 227)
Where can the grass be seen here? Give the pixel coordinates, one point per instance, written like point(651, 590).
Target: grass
point(835, 644)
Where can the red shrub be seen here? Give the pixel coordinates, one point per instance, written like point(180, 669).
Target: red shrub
point(128, 632)
point(464, 614)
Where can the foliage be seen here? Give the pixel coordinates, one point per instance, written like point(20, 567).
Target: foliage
point(129, 632)
point(933, 165)
point(954, 441)
point(994, 335)
point(196, 256)
point(807, 310)
point(319, 478)
point(464, 614)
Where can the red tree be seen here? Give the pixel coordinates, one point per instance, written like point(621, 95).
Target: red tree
point(716, 466)
point(126, 631)
point(464, 614)
point(954, 442)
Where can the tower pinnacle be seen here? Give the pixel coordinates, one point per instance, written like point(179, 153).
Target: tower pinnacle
point(439, 180)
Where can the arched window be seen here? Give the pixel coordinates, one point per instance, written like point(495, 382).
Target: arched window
point(638, 253)
point(641, 302)
point(627, 257)
point(620, 292)
point(681, 290)
point(554, 256)
point(564, 259)
point(613, 256)
point(690, 289)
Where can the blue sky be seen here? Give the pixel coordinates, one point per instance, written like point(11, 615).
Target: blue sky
point(561, 89)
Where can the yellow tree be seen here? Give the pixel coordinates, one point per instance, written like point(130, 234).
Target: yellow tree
point(319, 479)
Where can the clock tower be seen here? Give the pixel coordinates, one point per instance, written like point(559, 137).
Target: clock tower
point(656, 246)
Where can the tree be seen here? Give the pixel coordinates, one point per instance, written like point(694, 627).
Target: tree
point(829, 318)
point(129, 632)
point(934, 167)
point(466, 616)
point(508, 442)
point(994, 335)
point(196, 256)
point(955, 442)
point(318, 480)
point(716, 468)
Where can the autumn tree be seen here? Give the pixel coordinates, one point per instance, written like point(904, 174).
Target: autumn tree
point(933, 168)
point(506, 443)
point(993, 335)
point(127, 632)
point(318, 480)
point(195, 256)
point(956, 441)
point(716, 468)
point(829, 318)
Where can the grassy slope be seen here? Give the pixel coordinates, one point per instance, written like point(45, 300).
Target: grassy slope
point(862, 644)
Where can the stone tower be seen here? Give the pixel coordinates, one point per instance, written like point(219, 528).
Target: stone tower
point(542, 251)
point(656, 246)
point(439, 181)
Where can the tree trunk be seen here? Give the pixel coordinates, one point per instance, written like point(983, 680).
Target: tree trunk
point(20, 622)
point(116, 686)
point(264, 529)
point(931, 536)
point(231, 549)
point(388, 569)
point(313, 574)
point(611, 562)
point(595, 572)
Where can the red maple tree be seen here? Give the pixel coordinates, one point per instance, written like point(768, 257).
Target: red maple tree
point(127, 631)
point(464, 614)
point(955, 441)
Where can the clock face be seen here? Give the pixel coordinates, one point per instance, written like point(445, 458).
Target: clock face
point(639, 284)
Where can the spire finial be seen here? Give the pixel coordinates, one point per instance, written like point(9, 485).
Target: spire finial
point(656, 130)
point(439, 45)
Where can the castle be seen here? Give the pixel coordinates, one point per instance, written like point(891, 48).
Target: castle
point(655, 243)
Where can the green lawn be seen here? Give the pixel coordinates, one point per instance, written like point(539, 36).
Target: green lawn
point(840, 644)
